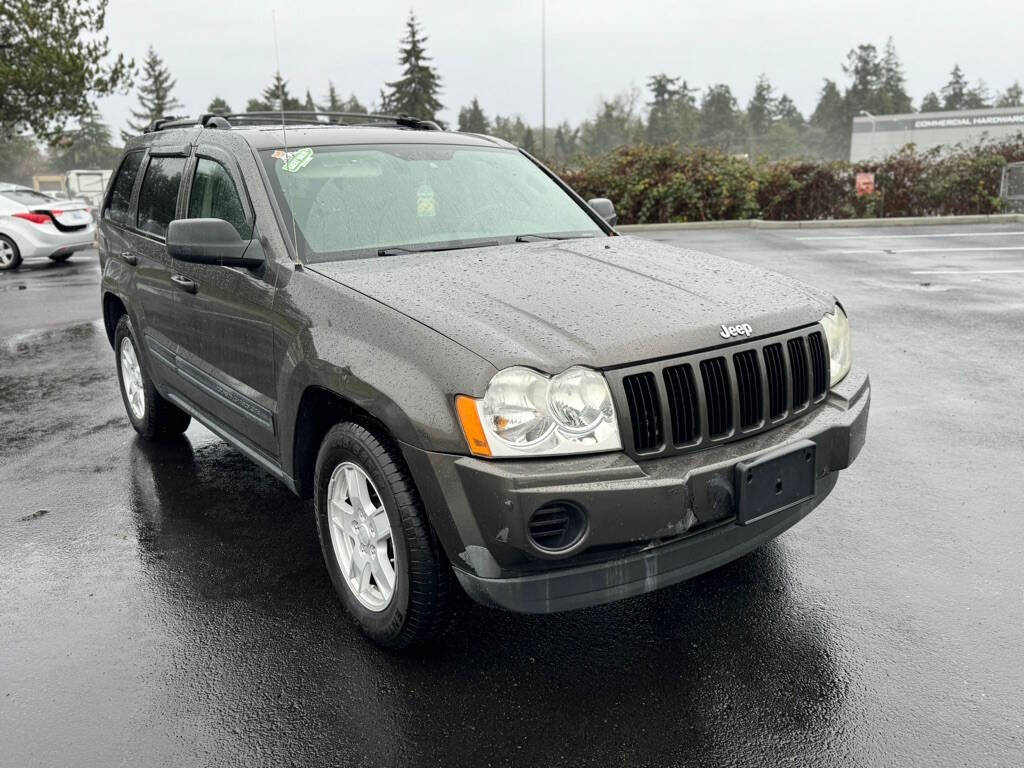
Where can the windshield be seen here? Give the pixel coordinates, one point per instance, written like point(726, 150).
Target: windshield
point(356, 201)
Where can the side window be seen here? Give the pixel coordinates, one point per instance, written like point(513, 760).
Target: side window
point(214, 197)
point(159, 194)
point(118, 207)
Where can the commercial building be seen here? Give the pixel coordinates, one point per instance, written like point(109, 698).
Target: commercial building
point(875, 137)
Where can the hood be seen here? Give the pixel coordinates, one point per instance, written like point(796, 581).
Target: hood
point(601, 302)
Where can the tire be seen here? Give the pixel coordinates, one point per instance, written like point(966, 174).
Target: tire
point(57, 258)
point(10, 255)
point(419, 608)
point(153, 417)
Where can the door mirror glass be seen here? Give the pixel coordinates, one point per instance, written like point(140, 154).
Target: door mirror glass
point(603, 207)
point(210, 241)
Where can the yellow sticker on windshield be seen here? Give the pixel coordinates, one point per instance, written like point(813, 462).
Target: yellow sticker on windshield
point(425, 207)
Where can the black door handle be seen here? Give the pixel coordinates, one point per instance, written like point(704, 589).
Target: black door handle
point(129, 258)
point(189, 286)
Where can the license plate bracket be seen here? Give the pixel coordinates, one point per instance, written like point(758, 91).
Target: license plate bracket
point(775, 481)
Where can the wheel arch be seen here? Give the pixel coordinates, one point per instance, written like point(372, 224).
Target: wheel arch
point(113, 309)
point(319, 409)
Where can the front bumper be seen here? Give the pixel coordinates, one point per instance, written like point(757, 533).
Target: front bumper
point(650, 523)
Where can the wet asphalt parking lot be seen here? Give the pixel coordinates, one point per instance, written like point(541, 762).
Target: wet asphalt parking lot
point(168, 606)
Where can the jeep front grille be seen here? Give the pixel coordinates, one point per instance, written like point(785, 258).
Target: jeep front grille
point(722, 394)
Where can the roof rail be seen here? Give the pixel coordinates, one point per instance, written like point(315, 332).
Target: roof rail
point(291, 117)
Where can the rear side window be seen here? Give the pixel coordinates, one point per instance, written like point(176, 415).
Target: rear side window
point(118, 209)
point(214, 196)
point(159, 194)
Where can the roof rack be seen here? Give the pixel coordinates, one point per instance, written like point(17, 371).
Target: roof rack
point(291, 117)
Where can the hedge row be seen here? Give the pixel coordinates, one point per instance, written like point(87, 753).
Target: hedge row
point(665, 184)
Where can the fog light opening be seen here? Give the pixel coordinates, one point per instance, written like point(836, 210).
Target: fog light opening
point(557, 526)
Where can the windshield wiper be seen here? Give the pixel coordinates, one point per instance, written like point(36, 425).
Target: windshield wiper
point(537, 236)
point(397, 249)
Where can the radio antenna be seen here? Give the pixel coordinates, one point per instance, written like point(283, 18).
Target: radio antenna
point(284, 128)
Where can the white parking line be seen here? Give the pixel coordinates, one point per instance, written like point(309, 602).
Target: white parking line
point(969, 272)
point(900, 237)
point(956, 250)
point(965, 249)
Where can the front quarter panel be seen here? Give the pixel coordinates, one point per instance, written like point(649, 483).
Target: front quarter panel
point(403, 373)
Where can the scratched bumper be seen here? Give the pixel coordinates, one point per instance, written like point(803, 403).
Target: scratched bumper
point(649, 524)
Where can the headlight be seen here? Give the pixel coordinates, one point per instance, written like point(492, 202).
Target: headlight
point(525, 413)
point(840, 352)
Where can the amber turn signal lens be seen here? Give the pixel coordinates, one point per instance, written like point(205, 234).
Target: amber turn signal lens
point(469, 419)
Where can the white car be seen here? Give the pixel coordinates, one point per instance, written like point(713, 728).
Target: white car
point(34, 225)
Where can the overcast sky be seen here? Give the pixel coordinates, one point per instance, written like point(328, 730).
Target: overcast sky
point(492, 49)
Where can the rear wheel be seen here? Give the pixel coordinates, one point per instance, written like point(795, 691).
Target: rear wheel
point(59, 257)
point(383, 558)
point(152, 416)
point(10, 256)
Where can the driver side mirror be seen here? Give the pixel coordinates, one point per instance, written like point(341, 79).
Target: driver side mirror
point(604, 208)
point(210, 241)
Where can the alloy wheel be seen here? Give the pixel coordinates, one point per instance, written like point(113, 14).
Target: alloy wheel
point(131, 378)
point(361, 536)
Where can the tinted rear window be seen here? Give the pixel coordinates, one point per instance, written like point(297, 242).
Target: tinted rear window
point(118, 209)
point(159, 194)
point(28, 197)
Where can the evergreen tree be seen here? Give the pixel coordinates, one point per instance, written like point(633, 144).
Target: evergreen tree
point(978, 97)
point(511, 129)
point(352, 104)
point(720, 121)
point(787, 112)
point(416, 92)
point(218, 106)
point(1013, 96)
point(566, 142)
point(761, 107)
point(309, 105)
point(954, 93)
point(831, 123)
point(155, 97)
point(931, 103)
point(661, 120)
point(865, 73)
point(615, 125)
point(88, 146)
point(472, 119)
point(529, 142)
point(274, 98)
point(687, 116)
point(332, 101)
point(894, 98)
point(54, 62)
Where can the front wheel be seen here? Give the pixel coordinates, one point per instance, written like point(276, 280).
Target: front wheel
point(383, 558)
point(153, 417)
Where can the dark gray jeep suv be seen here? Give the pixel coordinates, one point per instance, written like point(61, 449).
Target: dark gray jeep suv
point(461, 362)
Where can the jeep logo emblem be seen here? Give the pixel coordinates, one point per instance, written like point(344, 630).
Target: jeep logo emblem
point(729, 331)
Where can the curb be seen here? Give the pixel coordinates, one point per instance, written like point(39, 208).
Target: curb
point(907, 221)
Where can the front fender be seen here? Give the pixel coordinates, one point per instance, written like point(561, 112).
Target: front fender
point(398, 370)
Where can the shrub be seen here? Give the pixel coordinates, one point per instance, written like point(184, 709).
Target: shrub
point(665, 184)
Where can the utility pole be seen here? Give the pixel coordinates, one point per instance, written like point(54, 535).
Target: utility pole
point(543, 79)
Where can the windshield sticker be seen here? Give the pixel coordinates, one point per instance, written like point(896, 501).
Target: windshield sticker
point(298, 160)
point(425, 207)
point(280, 154)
